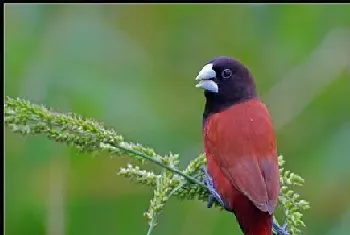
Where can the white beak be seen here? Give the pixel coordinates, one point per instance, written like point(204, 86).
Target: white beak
point(204, 77)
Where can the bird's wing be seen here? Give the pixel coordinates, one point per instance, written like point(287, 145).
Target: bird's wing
point(242, 142)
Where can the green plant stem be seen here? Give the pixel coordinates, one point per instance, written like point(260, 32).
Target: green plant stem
point(152, 222)
point(174, 170)
point(151, 226)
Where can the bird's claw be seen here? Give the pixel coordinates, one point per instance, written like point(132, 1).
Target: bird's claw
point(214, 194)
point(280, 230)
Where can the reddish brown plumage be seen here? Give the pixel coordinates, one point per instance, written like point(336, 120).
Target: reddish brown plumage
point(241, 152)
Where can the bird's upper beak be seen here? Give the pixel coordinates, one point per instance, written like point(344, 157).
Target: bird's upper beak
point(204, 77)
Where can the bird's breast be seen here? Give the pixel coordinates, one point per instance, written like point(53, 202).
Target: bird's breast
point(243, 129)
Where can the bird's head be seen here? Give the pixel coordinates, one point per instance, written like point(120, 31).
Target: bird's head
point(226, 82)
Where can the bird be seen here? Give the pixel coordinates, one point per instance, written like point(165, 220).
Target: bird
point(240, 145)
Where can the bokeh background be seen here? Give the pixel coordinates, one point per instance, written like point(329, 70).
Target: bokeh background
point(133, 68)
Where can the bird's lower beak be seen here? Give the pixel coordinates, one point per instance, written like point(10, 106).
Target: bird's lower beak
point(204, 77)
point(208, 85)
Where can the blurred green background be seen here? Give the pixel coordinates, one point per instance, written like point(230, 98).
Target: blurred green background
point(133, 68)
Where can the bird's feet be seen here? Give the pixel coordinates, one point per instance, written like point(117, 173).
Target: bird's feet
point(214, 194)
point(280, 230)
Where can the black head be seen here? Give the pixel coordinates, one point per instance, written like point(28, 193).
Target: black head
point(226, 82)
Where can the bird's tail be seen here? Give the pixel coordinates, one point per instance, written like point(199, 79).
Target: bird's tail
point(252, 220)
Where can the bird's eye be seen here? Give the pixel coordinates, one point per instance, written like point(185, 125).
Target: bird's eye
point(226, 73)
